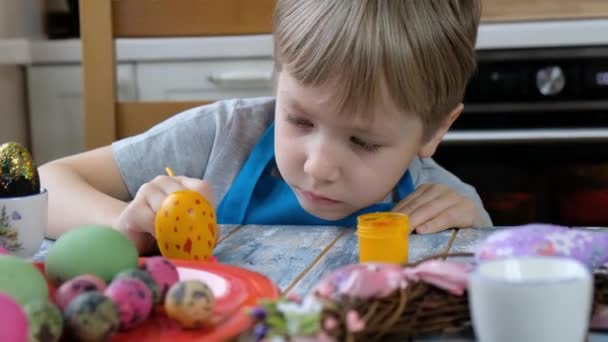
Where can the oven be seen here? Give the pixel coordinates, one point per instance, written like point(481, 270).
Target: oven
point(533, 138)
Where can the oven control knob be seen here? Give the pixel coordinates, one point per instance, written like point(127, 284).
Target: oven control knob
point(550, 80)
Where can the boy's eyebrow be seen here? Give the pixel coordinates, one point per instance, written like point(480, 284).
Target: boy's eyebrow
point(297, 106)
point(363, 127)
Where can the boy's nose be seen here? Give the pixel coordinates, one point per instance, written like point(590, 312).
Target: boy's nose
point(322, 166)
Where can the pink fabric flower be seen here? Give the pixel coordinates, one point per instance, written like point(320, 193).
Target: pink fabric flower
point(354, 322)
point(599, 319)
point(294, 297)
point(330, 323)
point(450, 276)
point(361, 281)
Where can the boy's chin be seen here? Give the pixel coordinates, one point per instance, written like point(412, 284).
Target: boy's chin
point(328, 216)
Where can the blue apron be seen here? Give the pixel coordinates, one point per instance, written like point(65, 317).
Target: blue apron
point(258, 197)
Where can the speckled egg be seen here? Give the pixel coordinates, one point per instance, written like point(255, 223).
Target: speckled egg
point(13, 321)
point(190, 303)
point(162, 271)
point(146, 278)
point(22, 280)
point(91, 317)
point(90, 249)
point(75, 286)
point(45, 321)
point(18, 171)
point(133, 299)
point(186, 226)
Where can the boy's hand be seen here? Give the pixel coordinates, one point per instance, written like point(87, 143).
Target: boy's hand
point(436, 207)
point(137, 220)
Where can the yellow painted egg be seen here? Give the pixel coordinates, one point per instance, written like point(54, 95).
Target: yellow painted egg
point(18, 172)
point(186, 226)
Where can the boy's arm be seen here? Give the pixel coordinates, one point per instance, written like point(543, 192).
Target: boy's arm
point(83, 189)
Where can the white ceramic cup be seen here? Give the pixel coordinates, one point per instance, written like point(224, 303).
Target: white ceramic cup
point(531, 299)
point(23, 223)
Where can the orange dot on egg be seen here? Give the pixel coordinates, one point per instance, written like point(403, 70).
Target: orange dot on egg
point(190, 211)
point(198, 238)
point(211, 214)
point(177, 218)
point(176, 203)
point(211, 229)
point(175, 229)
point(191, 228)
point(196, 257)
point(197, 201)
point(178, 247)
point(209, 243)
point(166, 245)
point(166, 213)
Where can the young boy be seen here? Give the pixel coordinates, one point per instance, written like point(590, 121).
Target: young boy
point(365, 91)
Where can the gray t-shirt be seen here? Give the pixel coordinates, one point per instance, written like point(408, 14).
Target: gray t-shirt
point(213, 142)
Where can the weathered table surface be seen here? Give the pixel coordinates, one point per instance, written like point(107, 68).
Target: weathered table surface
point(296, 257)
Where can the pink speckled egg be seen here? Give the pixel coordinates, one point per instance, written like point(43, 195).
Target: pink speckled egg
point(133, 299)
point(75, 286)
point(162, 271)
point(14, 321)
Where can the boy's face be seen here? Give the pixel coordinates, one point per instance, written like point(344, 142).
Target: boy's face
point(339, 164)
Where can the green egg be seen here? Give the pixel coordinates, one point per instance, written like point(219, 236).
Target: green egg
point(90, 249)
point(21, 280)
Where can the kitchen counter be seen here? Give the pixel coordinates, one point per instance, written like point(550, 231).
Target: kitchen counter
point(491, 36)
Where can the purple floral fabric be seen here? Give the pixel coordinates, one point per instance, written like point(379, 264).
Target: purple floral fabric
point(586, 246)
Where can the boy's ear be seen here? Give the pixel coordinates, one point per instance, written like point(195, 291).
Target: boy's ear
point(428, 148)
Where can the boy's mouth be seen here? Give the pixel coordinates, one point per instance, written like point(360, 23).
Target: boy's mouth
point(315, 197)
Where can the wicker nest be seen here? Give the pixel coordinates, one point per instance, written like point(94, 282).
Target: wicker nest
point(600, 295)
point(417, 310)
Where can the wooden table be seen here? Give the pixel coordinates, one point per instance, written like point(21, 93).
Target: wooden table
point(296, 257)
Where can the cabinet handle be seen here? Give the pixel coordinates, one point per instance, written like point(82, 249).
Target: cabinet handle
point(526, 136)
point(240, 79)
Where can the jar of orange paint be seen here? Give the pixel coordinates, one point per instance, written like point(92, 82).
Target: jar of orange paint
point(383, 237)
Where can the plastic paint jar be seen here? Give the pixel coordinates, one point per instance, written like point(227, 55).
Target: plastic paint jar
point(383, 237)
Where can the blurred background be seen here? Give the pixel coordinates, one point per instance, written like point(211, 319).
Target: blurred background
point(533, 138)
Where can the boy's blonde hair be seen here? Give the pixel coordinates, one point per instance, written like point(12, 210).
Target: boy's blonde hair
point(421, 51)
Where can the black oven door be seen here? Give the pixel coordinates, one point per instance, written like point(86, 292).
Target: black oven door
point(533, 139)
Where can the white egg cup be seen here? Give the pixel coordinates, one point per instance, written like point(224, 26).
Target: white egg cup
point(531, 299)
point(23, 223)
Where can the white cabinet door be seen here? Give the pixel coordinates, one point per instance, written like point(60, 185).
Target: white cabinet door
point(56, 113)
point(204, 80)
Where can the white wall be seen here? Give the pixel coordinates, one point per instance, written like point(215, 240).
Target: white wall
point(18, 19)
point(13, 114)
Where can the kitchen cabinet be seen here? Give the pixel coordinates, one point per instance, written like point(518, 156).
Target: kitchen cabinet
point(56, 114)
point(55, 93)
point(518, 10)
point(204, 80)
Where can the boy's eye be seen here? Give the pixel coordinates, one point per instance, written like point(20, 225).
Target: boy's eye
point(299, 122)
point(364, 145)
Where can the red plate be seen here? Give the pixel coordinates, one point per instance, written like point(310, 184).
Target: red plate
point(235, 289)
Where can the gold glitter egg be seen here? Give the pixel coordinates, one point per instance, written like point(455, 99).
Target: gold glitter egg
point(18, 172)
